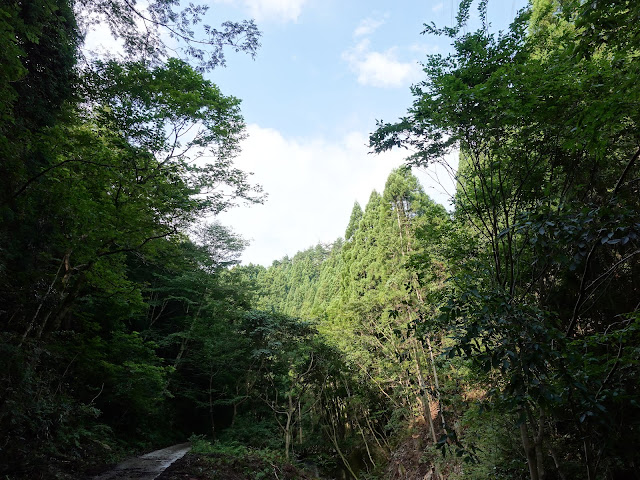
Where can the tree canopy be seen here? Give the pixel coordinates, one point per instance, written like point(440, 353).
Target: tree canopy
point(496, 340)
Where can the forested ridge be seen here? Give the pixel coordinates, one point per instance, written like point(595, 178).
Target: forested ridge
point(499, 338)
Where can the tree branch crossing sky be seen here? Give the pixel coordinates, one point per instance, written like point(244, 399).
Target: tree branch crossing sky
point(327, 69)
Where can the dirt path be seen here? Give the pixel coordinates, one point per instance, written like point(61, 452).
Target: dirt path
point(146, 467)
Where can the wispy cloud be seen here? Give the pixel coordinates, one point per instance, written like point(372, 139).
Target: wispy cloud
point(274, 10)
point(367, 26)
point(437, 7)
point(380, 69)
point(424, 49)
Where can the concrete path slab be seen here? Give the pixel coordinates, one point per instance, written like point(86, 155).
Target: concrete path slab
point(146, 467)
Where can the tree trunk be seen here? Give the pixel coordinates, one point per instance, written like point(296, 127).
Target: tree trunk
point(68, 303)
point(587, 460)
point(334, 441)
point(213, 425)
point(234, 414)
point(437, 385)
point(287, 428)
point(538, 439)
point(366, 444)
point(529, 450)
point(185, 340)
point(557, 462)
point(423, 398)
point(299, 423)
point(35, 315)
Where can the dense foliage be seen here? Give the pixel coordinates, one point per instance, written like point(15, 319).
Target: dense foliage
point(367, 300)
point(498, 340)
point(105, 167)
point(543, 301)
point(527, 295)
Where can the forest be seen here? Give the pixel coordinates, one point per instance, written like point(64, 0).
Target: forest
point(499, 339)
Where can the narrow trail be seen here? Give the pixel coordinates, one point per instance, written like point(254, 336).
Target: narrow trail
point(146, 467)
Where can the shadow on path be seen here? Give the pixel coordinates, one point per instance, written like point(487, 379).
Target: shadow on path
point(146, 467)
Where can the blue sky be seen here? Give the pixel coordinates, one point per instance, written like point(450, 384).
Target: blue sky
point(327, 69)
point(327, 66)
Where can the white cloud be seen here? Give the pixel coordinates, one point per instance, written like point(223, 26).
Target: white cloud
point(436, 8)
point(367, 27)
point(312, 184)
point(99, 43)
point(380, 69)
point(424, 49)
point(277, 10)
